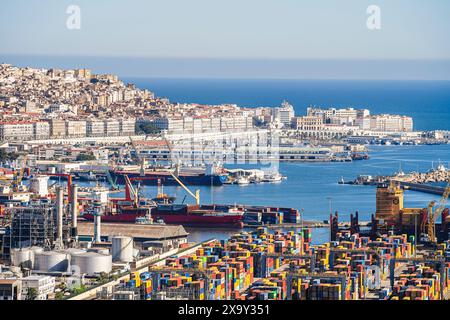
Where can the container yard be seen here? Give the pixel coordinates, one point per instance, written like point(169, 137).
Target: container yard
point(285, 266)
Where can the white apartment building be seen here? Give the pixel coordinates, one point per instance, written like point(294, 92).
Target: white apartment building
point(284, 114)
point(44, 285)
point(95, 128)
point(348, 116)
point(41, 130)
point(391, 123)
point(75, 128)
point(127, 127)
point(201, 124)
point(16, 131)
point(112, 127)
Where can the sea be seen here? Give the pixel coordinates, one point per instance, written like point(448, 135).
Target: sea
point(314, 187)
point(428, 102)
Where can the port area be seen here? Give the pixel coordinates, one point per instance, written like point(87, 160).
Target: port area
point(426, 182)
point(263, 265)
point(307, 224)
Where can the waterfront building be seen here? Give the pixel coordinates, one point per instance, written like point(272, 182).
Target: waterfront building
point(308, 123)
point(391, 123)
point(284, 114)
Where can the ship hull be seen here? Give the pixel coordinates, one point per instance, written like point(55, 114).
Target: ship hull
point(151, 178)
point(184, 220)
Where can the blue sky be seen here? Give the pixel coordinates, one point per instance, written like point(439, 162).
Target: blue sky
point(272, 32)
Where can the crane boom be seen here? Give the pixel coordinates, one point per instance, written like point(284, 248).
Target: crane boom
point(196, 196)
point(443, 201)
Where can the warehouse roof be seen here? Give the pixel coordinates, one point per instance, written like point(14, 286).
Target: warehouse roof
point(144, 231)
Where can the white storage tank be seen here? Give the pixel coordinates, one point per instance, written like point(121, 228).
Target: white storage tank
point(90, 263)
point(33, 251)
point(21, 257)
point(122, 249)
point(99, 250)
point(39, 185)
point(53, 261)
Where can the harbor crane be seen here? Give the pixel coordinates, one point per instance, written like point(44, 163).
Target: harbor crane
point(431, 230)
point(195, 195)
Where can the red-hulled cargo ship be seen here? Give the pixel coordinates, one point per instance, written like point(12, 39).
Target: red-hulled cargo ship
point(186, 215)
point(132, 207)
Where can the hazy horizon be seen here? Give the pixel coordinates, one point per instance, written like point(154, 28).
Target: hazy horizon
point(300, 69)
point(297, 39)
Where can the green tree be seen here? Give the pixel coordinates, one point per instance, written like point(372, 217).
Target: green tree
point(85, 157)
point(59, 295)
point(32, 294)
point(7, 156)
point(147, 128)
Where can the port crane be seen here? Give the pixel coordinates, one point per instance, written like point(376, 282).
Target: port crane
point(141, 161)
point(195, 195)
point(432, 217)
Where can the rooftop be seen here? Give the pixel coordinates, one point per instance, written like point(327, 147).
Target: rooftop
point(144, 231)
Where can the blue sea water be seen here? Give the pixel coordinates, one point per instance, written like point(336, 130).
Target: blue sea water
point(428, 102)
point(310, 184)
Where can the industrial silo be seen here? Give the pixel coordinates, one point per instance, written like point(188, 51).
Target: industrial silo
point(99, 250)
point(33, 251)
point(122, 249)
point(21, 257)
point(53, 261)
point(91, 263)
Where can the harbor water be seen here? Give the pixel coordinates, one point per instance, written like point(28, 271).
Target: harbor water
point(314, 187)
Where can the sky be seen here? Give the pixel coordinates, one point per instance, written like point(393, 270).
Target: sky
point(233, 38)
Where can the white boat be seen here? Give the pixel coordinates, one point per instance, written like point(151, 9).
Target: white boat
point(275, 177)
point(242, 181)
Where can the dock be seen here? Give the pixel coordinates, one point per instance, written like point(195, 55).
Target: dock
point(425, 188)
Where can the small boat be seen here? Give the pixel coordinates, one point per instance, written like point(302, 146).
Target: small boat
point(276, 177)
point(242, 181)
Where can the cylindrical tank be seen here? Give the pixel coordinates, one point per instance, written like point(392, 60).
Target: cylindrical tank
point(21, 257)
point(122, 249)
point(99, 250)
point(33, 251)
point(90, 263)
point(39, 185)
point(51, 261)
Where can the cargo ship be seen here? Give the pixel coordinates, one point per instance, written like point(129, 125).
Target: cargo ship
point(184, 214)
point(132, 207)
point(191, 176)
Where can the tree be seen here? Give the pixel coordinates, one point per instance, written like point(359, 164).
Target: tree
point(85, 157)
point(59, 295)
point(147, 128)
point(32, 294)
point(7, 156)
